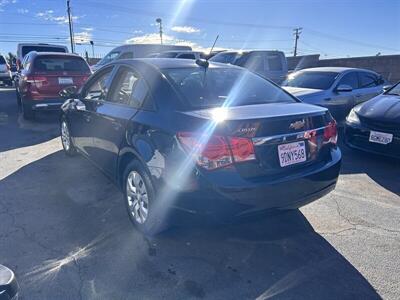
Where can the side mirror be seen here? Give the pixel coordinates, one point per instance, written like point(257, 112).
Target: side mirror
point(344, 88)
point(8, 284)
point(387, 87)
point(69, 92)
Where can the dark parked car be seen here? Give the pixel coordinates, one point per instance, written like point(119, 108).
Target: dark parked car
point(179, 134)
point(374, 126)
point(44, 75)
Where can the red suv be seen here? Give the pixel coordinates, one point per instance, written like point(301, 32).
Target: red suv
point(44, 75)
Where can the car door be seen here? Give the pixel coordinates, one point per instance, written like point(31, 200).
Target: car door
point(340, 103)
point(127, 93)
point(82, 116)
point(370, 86)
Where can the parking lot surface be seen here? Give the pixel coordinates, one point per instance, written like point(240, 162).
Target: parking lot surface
point(65, 232)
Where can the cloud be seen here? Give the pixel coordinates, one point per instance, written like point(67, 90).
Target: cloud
point(3, 3)
point(48, 15)
point(22, 11)
point(83, 37)
point(87, 28)
point(185, 29)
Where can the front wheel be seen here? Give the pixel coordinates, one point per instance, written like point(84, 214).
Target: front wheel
point(140, 200)
point(66, 140)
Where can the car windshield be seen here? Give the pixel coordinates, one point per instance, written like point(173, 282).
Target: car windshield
point(395, 90)
point(27, 49)
point(56, 64)
point(215, 87)
point(109, 57)
point(311, 80)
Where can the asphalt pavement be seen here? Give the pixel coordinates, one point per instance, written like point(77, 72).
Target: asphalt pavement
point(65, 233)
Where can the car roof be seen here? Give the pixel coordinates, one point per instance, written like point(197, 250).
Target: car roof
point(172, 63)
point(248, 51)
point(55, 54)
point(334, 69)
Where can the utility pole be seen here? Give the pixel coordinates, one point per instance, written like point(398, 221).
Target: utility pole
point(159, 21)
point(71, 34)
point(297, 32)
point(92, 43)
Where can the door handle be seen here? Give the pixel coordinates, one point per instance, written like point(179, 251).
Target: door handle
point(116, 125)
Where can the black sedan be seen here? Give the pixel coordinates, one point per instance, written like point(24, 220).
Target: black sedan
point(374, 126)
point(199, 137)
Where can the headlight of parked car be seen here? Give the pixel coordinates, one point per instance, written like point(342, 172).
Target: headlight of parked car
point(352, 117)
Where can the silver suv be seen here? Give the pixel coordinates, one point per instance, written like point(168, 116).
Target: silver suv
point(5, 74)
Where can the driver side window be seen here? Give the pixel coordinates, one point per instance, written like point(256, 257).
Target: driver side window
point(98, 89)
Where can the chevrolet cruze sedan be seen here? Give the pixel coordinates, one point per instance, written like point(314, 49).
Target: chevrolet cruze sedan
point(200, 137)
point(374, 126)
point(336, 88)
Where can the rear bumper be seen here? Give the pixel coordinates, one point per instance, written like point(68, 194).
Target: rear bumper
point(357, 137)
point(293, 191)
point(48, 104)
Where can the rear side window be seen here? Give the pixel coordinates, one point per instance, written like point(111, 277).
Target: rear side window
point(350, 79)
point(126, 55)
point(122, 86)
point(226, 58)
point(2, 60)
point(27, 49)
point(57, 64)
point(274, 62)
point(255, 62)
point(186, 56)
point(98, 87)
point(167, 55)
point(368, 80)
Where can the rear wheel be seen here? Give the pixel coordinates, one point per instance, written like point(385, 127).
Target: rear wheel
point(66, 140)
point(140, 200)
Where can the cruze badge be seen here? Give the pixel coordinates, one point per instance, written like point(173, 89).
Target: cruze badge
point(297, 125)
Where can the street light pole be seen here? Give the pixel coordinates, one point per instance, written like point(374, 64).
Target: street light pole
point(70, 27)
point(159, 21)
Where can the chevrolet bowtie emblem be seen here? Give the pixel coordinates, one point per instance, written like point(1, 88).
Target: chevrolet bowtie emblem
point(297, 125)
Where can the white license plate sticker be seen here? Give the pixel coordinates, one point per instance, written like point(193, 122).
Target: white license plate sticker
point(380, 137)
point(65, 80)
point(292, 153)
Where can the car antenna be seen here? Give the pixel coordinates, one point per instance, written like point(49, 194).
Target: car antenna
point(204, 62)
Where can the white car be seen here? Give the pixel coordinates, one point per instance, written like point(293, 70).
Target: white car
point(5, 74)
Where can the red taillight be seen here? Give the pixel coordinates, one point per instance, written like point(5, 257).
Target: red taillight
point(38, 81)
point(330, 133)
point(242, 149)
point(212, 152)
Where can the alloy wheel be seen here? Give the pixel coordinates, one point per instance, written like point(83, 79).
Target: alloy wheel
point(137, 197)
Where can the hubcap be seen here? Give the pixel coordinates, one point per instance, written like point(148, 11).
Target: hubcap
point(65, 135)
point(137, 197)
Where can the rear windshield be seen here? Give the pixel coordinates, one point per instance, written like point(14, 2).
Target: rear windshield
point(311, 80)
point(27, 49)
point(224, 87)
point(2, 60)
point(56, 64)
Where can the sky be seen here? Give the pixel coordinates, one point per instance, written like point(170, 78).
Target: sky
point(332, 28)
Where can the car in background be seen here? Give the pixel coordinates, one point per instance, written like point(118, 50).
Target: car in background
point(172, 135)
point(24, 48)
point(181, 54)
point(336, 88)
point(5, 73)
point(269, 64)
point(44, 75)
point(374, 126)
point(136, 51)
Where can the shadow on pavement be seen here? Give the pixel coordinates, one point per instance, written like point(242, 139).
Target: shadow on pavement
point(66, 234)
point(383, 170)
point(15, 132)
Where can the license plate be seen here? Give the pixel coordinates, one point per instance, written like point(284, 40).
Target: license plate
point(292, 153)
point(65, 80)
point(380, 137)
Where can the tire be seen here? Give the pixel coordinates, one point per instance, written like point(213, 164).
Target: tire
point(27, 112)
point(66, 141)
point(156, 219)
